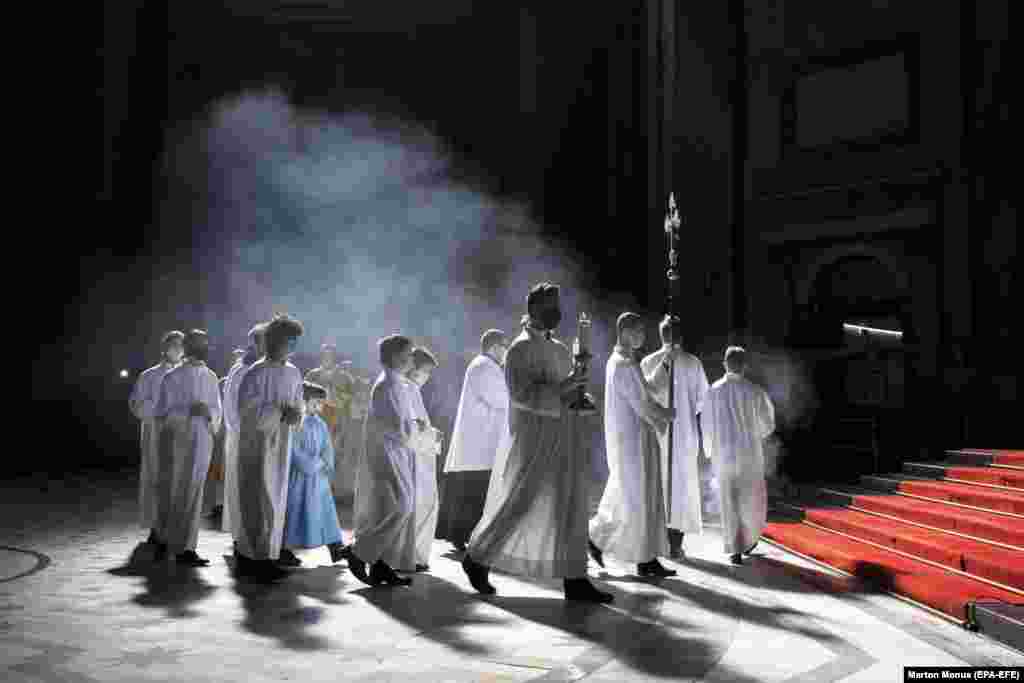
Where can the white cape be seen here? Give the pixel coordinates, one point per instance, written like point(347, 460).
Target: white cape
point(738, 415)
point(481, 422)
point(232, 496)
point(426, 445)
point(690, 389)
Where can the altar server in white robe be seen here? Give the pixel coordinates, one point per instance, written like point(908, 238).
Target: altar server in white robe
point(690, 389)
point(232, 498)
point(385, 486)
point(738, 416)
point(630, 520)
point(427, 446)
point(269, 410)
point(535, 517)
point(142, 403)
point(481, 428)
point(188, 415)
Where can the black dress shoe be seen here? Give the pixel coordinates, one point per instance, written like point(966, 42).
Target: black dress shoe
point(747, 551)
point(267, 571)
point(339, 552)
point(736, 558)
point(422, 568)
point(478, 575)
point(596, 553)
point(159, 552)
point(381, 573)
point(288, 559)
point(191, 559)
point(584, 591)
point(653, 569)
point(358, 569)
point(459, 545)
point(153, 538)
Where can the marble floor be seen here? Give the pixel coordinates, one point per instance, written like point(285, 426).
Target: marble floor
point(75, 607)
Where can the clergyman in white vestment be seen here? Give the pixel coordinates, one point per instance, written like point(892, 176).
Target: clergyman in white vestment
point(188, 414)
point(142, 403)
point(690, 389)
point(737, 416)
point(535, 517)
point(385, 486)
point(427, 446)
point(630, 520)
point(269, 410)
point(232, 496)
point(481, 429)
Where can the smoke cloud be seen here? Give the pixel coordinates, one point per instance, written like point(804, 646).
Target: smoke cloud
point(360, 227)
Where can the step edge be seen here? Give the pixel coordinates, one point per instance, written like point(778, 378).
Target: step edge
point(958, 534)
point(915, 558)
point(867, 582)
point(866, 491)
point(908, 476)
point(953, 480)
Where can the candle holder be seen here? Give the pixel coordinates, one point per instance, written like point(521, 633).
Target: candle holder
point(581, 360)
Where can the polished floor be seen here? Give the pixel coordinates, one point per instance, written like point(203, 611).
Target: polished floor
point(80, 603)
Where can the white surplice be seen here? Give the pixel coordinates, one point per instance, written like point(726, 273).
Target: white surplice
point(385, 486)
point(690, 389)
point(630, 521)
point(535, 518)
point(737, 416)
point(231, 425)
point(142, 403)
point(264, 457)
point(481, 422)
point(185, 449)
point(427, 448)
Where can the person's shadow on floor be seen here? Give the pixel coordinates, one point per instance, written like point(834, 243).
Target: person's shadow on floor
point(173, 587)
point(274, 610)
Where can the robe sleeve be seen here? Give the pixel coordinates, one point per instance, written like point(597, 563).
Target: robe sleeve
point(142, 401)
point(488, 387)
point(700, 387)
point(326, 449)
point(628, 382)
point(163, 402)
point(306, 461)
point(657, 378)
point(230, 404)
point(215, 404)
point(766, 413)
point(391, 412)
point(253, 406)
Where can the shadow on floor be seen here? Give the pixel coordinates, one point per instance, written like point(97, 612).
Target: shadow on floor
point(275, 611)
point(173, 588)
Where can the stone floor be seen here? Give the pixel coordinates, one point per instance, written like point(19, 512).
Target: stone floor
point(74, 607)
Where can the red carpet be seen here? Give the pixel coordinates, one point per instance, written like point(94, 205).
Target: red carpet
point(840, 536)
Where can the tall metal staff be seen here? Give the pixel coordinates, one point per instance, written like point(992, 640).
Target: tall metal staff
point(672, 225)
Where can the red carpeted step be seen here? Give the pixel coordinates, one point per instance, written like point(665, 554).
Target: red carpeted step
point(987, 475)
point(971, 522)
point(966, 494)
point(928, 585)
point(995, 564)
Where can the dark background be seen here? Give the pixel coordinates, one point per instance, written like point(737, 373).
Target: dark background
point(593, 115)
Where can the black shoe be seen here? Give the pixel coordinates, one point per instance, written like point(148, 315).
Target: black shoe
point(358, 569)
point(382, 573)
point(153, 538)
point(339, 552)
point(596, 553)
point(478, 575)
point(190, 559)
point(159, 552)
point(584, 591)
point(736, 558)
point(675, 544)
point(288, 559)
point(747, 551)
point(268, 571)
point(459, 545)
point(653, 569)
point(422, 568)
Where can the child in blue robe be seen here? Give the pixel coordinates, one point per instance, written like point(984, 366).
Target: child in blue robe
point(311, 518)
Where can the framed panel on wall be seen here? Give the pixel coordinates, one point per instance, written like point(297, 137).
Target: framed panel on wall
point(862, 98)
